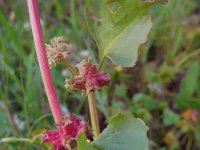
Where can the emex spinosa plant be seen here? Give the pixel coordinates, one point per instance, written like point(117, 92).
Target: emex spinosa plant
point(121, 27)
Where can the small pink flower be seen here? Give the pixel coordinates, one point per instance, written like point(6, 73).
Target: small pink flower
point(89, 78)
point(63, 137)
point(71, 127)
point(54, 138)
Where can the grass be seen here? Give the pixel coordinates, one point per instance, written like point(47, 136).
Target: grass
point(168, 67)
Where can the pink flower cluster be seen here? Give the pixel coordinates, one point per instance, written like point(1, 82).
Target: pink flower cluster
point(57, 50)
point(68, 130)
point(89, 79)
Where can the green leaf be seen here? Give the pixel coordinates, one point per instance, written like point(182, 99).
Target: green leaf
point(82, 142)
point(189, 85)
point(123, 133)
point(170, 117)
point(143, 101)
point(120, 90)
point(190, 81)
point(188, 103)
point(122, 26)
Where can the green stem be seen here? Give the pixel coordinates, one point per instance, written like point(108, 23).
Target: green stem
point(37, 121)
point(70, 67)
point(15, 139)
point(185, 59)
point(94, 115)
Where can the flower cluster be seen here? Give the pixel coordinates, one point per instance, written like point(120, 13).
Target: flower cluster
point(57, 50)
point(64, 137)
point(88, 79)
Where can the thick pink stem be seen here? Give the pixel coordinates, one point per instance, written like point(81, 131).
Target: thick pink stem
point(42, 59)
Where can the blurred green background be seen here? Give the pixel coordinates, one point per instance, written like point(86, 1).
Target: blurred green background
point(163, 88)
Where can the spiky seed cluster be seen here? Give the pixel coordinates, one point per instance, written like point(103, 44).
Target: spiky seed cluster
point(64, 137)
point(88, 79)
point(57, 50)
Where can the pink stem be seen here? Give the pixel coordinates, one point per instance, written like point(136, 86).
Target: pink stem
point(42, 59)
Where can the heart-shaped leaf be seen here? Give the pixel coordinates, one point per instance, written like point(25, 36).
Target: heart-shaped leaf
point(121, 27)
point(123, 133)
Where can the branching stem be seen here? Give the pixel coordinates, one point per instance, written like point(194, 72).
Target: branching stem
point(70, 67)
